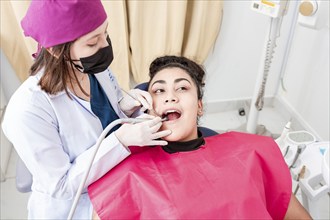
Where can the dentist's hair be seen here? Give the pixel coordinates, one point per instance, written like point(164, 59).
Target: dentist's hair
point(58, 71)
point(195, 71)
point(56, 68)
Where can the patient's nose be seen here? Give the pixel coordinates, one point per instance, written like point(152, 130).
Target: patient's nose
point(171, 99)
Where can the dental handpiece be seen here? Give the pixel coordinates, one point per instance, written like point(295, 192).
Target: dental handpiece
point(299, 151)
point(98, 143)
point(138, 120)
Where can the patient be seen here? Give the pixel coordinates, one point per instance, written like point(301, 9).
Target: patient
point(226, 176)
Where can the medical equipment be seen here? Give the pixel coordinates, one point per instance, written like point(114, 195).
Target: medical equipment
point(300, 176)
point(98, 144)
point(306, 158)
point(280, 140)
point(292, 142)
point(299, 151)
point(316, 183)
point(276, 10)
point(300, 137)
point(314, 14)
point(272, 8)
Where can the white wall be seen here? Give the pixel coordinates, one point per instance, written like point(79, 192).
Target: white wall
point(232, 67)
point(307, 78)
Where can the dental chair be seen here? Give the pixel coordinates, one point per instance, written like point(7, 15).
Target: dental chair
point(24, 177)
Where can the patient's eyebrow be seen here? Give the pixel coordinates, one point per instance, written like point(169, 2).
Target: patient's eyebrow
point(175, 81)
point(181, 79)
point(158, 81)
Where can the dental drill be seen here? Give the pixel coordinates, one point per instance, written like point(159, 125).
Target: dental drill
point(98, 143)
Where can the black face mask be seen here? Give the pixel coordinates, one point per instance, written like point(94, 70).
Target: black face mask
point(98, 62)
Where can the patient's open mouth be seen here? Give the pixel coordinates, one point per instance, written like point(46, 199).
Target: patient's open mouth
point(171, 115)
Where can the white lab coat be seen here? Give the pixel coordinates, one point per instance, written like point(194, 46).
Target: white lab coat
point(54, 135)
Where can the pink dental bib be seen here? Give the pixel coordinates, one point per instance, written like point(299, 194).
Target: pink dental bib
point(233, 176)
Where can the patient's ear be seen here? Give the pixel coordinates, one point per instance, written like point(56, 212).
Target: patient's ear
point(200, 108)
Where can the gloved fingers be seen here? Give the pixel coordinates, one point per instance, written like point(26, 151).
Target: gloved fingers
point(158, 142)
point(130, 98)
point(155, 125)
point(161, 134)
point(135, 99)
point(135, 102)
point(144, 98)
point(156, 121)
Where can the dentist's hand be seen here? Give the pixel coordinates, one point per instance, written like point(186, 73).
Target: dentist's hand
point(135, 99)
point(142, 134)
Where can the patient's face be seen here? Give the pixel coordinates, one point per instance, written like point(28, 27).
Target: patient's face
point(175, 96)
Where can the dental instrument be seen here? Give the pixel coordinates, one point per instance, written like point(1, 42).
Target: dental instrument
point(300, 176)
point(98, 144)
point(299, 151)
point(286, 151)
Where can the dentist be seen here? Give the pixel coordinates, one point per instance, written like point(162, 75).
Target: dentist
point(57, 114)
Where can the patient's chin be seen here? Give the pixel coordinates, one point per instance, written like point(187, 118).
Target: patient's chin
point(170, 138)
point(177, 132)
point(174, 136)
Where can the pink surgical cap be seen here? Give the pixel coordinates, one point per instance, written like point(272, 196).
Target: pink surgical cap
point(54, 22)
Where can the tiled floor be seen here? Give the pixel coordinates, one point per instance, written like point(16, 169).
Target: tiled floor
point(13, 203)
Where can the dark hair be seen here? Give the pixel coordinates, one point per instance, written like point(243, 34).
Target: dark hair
point(195, 71)
point(57, 69)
